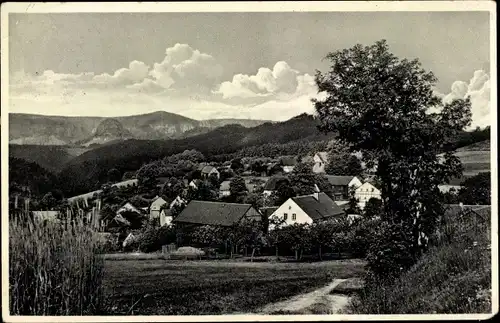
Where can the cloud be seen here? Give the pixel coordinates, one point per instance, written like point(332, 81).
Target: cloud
point(136, 72)
point(186, 69)
point(478, 89)
point(282, 79)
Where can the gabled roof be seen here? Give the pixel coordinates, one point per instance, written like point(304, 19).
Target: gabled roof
point(339, 180)
point(267, 211)
point(323, 155)
point(129, 207)
point(212, 213)
point(320, 208)
point(272, 183)
point(207, 169)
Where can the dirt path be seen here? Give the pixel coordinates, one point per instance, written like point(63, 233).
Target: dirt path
point(319, 301)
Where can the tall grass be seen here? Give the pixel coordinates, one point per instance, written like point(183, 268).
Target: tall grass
point(54, 268)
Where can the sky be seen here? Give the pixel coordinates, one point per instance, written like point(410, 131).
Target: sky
point(220, 65)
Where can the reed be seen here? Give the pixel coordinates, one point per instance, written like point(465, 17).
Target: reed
point(54, 267)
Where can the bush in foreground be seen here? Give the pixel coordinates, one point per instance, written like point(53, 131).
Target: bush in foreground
point(54, 269)
point(453, 277)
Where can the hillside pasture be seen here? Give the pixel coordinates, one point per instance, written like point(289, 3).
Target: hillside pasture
point(161, 287)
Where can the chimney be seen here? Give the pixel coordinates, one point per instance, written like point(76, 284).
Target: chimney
point(316, 195)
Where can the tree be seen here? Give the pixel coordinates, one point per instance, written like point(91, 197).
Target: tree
point(114, 175)
point(322, 234)
point(338, 157)
point(237, 166)
point(354, 167)
point(386, 108)
point(476, 190)
point(373, 208)
point(297, 237)
point(303, 179)
point(147, 176)
point(353, 204)
point(237, 188)
point(128, 175)
point(283, 192)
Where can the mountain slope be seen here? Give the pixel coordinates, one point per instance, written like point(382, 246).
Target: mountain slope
point(60, 130)
point(85, 170)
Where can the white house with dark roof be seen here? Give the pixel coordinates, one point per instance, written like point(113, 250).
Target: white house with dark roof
point(308, 209)
point(365, 192)
point(155, 207)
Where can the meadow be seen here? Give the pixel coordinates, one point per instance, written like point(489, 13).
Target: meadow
point(169, 287)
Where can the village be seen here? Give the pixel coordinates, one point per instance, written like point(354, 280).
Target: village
point(329, 202)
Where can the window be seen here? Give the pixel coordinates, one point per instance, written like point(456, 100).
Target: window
point(373, 190)
point(294, 217)
point(285, 216)
point(289, 207)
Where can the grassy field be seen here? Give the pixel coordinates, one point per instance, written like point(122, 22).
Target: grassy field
point(160, 287)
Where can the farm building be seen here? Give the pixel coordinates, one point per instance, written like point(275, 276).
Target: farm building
point(342, 184)
point(207, 170)
point(308, 209)
point(216, 213)
point(365, 192)
point(155, 207)
point(320, 160)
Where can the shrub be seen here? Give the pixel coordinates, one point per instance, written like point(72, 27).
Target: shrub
point(54, 269)
point(452, 277)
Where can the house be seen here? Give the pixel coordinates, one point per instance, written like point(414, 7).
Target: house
point(308, 209)
point(273, 183)
point(207, 170)
point(342, 184)
point(365, 192)
point(224, 188)
point(216, 213)
point(288, 164)
point(195, 183)
point(166, 217)
point(50, 216)
point(155, 207)
point(320, 160)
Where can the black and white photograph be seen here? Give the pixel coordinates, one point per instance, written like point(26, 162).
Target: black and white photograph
point(249, 161)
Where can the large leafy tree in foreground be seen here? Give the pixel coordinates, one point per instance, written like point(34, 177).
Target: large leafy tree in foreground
point(386, 108)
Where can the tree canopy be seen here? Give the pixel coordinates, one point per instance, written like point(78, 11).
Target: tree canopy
point(386, 108)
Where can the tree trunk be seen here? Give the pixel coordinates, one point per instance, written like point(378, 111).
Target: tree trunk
point(277, 254)
point(301, 252)
point(253, 252)
point(246, 253)
point(296, 254)
point(320, 255)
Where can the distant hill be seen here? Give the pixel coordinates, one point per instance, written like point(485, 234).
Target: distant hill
point(31, 129)
point(52, 158)
point(84, 172)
